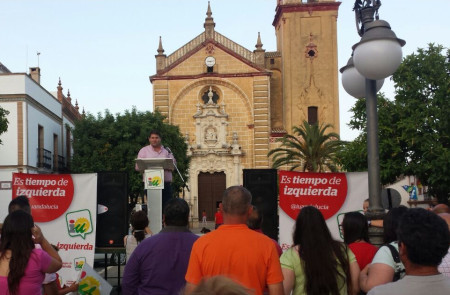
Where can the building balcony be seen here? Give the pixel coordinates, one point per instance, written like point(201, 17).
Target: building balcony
point(59, 164)
point(44, 158)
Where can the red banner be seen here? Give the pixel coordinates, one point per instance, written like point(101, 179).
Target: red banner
point(49, 194)
point(325, 191)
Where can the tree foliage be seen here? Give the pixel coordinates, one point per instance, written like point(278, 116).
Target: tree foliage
point(111, 143)
point(3, 122)
point(392, 151)
point(310, 149)
point(414, 129)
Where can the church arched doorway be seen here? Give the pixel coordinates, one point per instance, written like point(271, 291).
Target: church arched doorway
point(210, 191)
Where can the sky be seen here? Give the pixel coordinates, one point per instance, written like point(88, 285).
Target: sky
point(104, 50)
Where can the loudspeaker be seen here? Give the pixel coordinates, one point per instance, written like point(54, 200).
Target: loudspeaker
point(390, 198)
point(262, 183)
point(112, 209)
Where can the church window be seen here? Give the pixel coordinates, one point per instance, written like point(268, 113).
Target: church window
point(205, 97)
point(312, 115)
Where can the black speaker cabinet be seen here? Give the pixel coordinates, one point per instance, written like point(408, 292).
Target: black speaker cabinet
point(262, 183)
point(112, 209)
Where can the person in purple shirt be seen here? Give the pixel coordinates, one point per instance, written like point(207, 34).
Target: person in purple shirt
point(159, 263)
point(156, 150)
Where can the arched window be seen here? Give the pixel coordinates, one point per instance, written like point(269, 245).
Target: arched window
point(205, 97)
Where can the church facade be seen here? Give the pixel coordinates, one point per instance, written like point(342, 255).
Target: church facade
point(231, 103)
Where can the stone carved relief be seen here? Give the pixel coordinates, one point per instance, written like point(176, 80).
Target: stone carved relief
point(209, 49)
point(310, 94)
point(210, 136)
point(211, 124)
point(211, 131)
point(210, 152)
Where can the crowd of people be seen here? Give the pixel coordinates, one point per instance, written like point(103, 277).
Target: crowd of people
point(28, 262)
point(237, 258)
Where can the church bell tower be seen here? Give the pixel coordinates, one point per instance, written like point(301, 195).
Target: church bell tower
point(307, 40)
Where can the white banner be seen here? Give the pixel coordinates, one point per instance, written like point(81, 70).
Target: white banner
point(64, 207)
point(333, 194)
point(92, 283)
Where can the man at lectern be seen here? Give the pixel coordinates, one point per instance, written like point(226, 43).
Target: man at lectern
point(156, 150)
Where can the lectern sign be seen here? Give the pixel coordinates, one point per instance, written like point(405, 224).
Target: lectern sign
point(154, 179)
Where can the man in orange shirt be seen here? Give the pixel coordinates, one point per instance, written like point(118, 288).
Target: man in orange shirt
point(236, 251)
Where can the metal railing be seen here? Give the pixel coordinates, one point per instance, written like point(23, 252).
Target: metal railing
point(44, 158)
point(59, 164)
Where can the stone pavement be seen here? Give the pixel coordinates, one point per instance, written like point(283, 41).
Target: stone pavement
point(197, 230)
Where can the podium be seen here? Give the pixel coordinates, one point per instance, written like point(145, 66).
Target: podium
point(153, 177)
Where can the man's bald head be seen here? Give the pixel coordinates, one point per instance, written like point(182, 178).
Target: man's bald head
point(236, 200)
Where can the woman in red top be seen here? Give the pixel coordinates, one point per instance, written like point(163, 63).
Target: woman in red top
point(355, 228)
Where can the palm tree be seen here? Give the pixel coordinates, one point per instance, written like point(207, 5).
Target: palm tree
point(311, 149)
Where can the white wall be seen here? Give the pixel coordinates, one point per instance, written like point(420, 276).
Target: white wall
point(43, 97)
point(23, 84)
point(5, 195)
point(12, 84)
point(35, 118)
point(44, 109)
point(407, 180)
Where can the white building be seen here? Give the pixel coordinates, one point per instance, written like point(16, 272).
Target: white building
point(38, 139)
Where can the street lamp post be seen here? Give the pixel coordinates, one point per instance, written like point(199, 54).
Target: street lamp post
point(375, 57)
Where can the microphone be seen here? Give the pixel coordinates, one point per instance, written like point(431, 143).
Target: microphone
point(168, 149)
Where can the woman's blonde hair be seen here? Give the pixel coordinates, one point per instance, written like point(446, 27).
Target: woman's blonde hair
point(220, 285)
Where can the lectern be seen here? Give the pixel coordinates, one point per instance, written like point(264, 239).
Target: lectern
point(153, 177)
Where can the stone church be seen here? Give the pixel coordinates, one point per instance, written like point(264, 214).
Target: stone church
point(232, 103)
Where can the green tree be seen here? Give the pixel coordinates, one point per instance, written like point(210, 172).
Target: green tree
point(422, 84)
point(111, 143)
point(414, 129)
point(310, 149)
point(3, 122)
point(392, 149)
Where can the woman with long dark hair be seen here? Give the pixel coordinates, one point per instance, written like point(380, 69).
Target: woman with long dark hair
point(384, 267)
point(317, 264)
point(139, 231)
point(22, 266)
point(356, 236)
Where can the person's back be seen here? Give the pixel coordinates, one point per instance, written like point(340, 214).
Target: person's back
point(444, 267)
point(219, 285)
point(364, 252)
point(385, 266)
point(355, 230)
point(22, 266)
point(255, 221)
point(317, 264)
point(159, 263)
point(236, 251)
point(131, 243)
point(163, 262)
point(140, 231)
point(423, 241)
